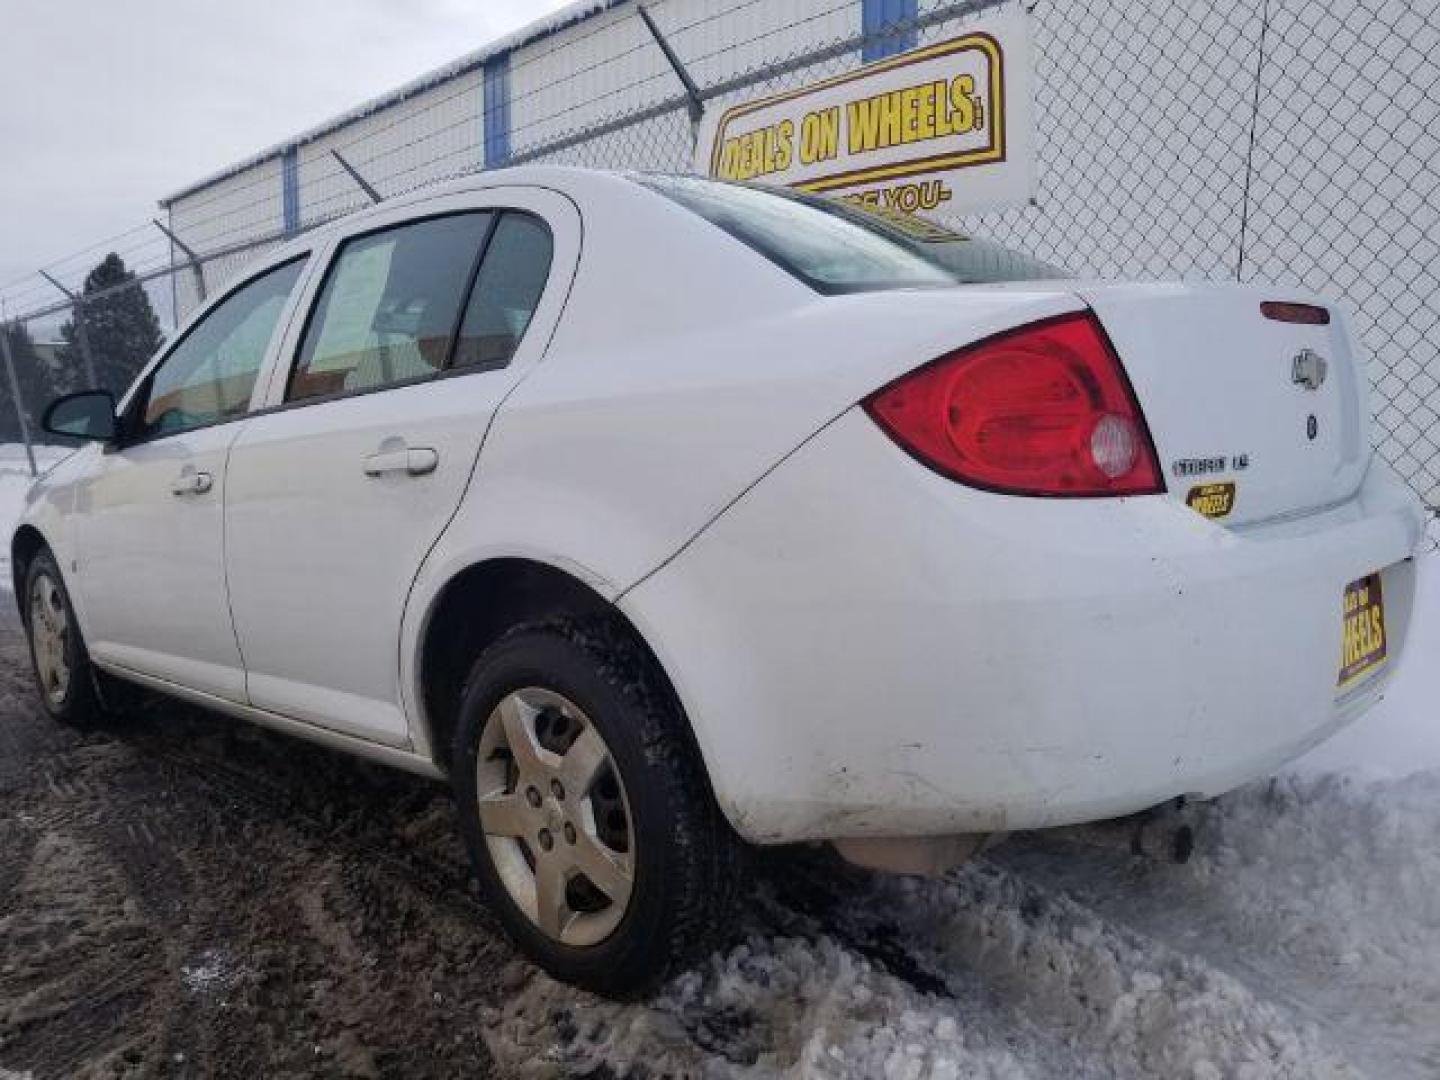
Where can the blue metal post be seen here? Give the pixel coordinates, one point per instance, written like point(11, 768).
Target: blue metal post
point(290, 189)
point(497, 111)
point(889, 27)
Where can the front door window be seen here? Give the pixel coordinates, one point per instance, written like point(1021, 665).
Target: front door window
point(209, 376)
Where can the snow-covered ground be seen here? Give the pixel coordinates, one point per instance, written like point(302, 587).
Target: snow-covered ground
point(1301, 940)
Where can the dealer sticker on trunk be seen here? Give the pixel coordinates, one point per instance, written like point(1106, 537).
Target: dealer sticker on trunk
point(1363, 641)
point(1212, 500)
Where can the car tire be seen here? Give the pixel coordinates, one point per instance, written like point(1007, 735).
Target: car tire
point(568, 694)
point(58, 658)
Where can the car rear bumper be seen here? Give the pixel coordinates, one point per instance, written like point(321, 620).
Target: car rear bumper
point(867, 649)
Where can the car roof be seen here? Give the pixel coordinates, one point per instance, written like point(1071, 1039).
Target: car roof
point(573, 180)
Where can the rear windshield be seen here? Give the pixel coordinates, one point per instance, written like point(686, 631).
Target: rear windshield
point(839, 247)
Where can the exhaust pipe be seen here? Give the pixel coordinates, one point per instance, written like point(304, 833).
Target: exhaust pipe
point(1163, 836)
point(1164, 833)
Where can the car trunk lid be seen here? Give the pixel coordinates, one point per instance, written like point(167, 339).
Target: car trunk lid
point(1233, 397)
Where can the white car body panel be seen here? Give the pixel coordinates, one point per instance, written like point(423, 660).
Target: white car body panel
point(887, 653)
point(321, 557)
point(50, 509)
point(152, 562)
point(863, 647)
point(147, 561)
point(613, 462)
point(1215, 379)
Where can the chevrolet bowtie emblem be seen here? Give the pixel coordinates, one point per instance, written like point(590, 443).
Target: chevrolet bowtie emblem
point(1308, 369)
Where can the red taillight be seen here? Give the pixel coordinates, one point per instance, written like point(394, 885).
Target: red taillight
point(1305, 314)
point(1043, 410)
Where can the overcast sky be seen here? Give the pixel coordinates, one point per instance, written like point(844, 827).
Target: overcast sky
point(106, 106)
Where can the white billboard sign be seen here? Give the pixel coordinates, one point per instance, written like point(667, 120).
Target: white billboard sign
point(946, 127)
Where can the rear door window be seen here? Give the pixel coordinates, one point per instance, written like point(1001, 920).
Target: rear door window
point(389, 308)
point(507, 290)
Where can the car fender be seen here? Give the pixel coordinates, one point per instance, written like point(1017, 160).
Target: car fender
point(451, 556)
point(53, 505)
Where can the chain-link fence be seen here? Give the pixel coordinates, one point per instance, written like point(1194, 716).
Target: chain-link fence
point(1289, 141)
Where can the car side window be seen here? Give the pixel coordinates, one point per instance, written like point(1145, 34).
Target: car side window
point(507, 290)
point(208, 377)
point(389, 306)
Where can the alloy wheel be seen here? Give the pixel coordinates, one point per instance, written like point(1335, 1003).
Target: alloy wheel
point(49, 634)
point(556, 816)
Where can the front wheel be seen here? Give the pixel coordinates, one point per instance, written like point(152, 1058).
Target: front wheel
point(57, 651)
point(586, 809)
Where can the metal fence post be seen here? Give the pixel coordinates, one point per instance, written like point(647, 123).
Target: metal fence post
point(82, 335)
point(15, 392)
point(694, 99)
point(189, 253)
point(365, 186)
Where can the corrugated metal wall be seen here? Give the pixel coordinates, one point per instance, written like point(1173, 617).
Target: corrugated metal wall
point(228, 213)
point(426, 137)
point(248, 204)
point(722, 40)
point(595, 70)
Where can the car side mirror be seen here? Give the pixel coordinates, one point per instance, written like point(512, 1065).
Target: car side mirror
point(90, 414)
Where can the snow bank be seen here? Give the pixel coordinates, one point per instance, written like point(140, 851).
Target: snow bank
point(1302, 941)
point(771, 1007)
point(1341, 877)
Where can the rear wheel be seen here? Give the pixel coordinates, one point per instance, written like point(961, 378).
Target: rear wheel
point(586, 810)
point(57, 651)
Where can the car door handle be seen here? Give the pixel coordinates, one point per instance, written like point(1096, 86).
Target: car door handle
point(414, 460)
point(192, 483)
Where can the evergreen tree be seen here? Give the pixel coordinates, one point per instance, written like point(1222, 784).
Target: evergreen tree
point(123, 329)
point(38, 385)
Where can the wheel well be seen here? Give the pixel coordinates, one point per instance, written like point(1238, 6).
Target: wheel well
point(23, 546)
point(474, 610)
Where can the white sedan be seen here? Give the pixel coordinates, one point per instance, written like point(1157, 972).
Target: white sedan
point(665, 516)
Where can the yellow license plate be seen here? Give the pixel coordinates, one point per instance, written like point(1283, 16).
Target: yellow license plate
point(1362, 647)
